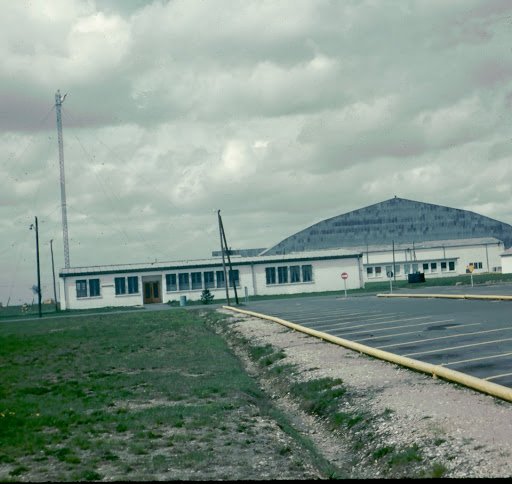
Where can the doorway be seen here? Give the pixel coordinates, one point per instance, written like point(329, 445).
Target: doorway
point(152, 292)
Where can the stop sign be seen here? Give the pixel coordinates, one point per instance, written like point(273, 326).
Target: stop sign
point(344, 275)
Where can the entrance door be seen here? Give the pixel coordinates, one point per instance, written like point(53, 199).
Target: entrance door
point(152, 292)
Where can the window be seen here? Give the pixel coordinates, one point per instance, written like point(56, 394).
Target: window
point(307, 273)
point(451, 265)
point(183, 281)
point(415, 268)
point(170, 282)
point(234, 276)
point(369, 271)
point(378, 271)
point(196, 280)
point(397, 269)
point(81, 288)
point(282, 275)
point(433, 266)
point(120, 284)
point(209, 280)
point(443, 266)
point(221, 282)
point(133, 285)
point(94, 287)
point(407, 269)
point(476, 265)
point(425, 267)
point(270, 273)
point(294, 273)
point(389, 269)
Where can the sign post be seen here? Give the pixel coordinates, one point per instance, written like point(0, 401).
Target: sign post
point(344, 276)
point(390, 275)
point(471, 268)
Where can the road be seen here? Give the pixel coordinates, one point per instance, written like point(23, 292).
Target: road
point(471, 336)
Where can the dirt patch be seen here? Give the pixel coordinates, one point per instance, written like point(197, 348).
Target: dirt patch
point(413, 425)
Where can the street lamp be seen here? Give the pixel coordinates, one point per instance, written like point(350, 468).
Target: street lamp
point(53, 272)
point(38, 270)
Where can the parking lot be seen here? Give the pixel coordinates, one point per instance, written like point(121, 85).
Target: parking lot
point(470, 336)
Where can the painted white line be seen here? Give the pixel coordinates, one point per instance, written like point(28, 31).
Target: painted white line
point(456, 326)
point(501, 355)
point(459, 335)
point(338, 317)
point(313, 311)
point(497, 376)
point(342, 326)
point(350, 320)
point(439, 350)
point(398, 327)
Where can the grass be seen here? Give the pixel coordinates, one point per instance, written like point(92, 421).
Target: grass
point(126, 396)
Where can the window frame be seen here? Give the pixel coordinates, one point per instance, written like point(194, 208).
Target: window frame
point(183, 281)
point(133, 288)
point(94, 284)
point(307, 273)
point(171, 286)
point(120, 285)
point(81, 288)
point(282, 274)
point(295, 274)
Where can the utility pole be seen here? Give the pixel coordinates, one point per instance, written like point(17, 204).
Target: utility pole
point(38, 270)
point(53, 272)
point(223, 260)
point(229, 258)
point(58, 105)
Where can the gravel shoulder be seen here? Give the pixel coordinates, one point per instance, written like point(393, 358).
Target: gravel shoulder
point(415, 426)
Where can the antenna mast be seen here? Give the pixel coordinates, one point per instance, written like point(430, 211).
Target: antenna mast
point(58, 104)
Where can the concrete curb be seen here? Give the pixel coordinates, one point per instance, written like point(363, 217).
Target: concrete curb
point(452, 296)
point(436, 371)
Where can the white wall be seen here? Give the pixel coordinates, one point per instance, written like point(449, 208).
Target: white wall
point(326, 277)
point(488, 255)
point(506, 264)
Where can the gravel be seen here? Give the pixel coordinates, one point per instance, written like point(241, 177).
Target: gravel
point(456, 432)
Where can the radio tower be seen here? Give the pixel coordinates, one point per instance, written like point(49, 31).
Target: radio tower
point(58, 104)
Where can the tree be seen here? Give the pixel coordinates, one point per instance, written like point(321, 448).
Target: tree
point(207, 297)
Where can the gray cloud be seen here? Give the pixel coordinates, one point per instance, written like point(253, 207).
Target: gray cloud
point(278, 113)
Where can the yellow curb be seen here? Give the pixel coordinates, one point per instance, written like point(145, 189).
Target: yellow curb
point(436, 371)
point(451, 296)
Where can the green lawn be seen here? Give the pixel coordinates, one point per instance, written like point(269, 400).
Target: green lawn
point(135, 396)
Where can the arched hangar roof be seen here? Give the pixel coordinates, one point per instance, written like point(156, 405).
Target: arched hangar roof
point(395, 220)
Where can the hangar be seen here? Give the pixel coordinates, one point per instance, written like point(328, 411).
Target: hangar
point(405, 236)
point(393, 238)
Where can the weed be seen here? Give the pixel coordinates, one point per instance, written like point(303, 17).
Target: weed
point(438, 470)
point(379, 453)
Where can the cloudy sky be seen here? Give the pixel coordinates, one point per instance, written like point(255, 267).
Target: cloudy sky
point(278, 113)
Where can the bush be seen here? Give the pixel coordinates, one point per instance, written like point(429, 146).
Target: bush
point(207, 297)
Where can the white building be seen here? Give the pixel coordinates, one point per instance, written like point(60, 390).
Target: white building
point(506, 262)
point(437, 258)
point(139, 284)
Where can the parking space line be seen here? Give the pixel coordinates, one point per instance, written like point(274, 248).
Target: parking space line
point(459, 335)
point(352, 315)
point(409, 332)
point(476, 359)
point(398, 327)
point(457, 347)
point(349, 321)
point(497, 376)
point(313, 311)
point(343, 325)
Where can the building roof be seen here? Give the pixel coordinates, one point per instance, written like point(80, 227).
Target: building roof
point(429, 244)
point(398, 220)
point(507, 253)
point(205, 263)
